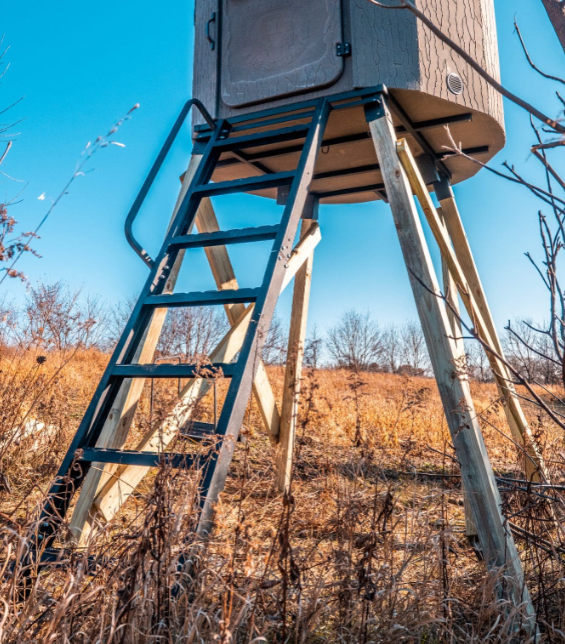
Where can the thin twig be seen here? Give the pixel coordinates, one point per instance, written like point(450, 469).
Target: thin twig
point(528, 58)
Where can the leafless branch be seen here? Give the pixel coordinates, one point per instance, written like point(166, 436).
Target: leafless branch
point(5, 153)
point(509, 328)
point(550, 145)
point(549, 168)
point(521, 380)
point(532, 65)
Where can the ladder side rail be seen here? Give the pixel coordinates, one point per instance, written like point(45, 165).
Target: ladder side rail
point(118, 422)
point(238, 394)
point(87, 434)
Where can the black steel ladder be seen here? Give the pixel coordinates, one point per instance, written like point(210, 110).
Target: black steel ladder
point(214, 462)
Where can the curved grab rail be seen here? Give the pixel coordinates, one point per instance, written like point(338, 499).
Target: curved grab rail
point(132, 241)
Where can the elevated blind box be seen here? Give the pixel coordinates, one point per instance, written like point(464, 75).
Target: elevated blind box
point(270, 54)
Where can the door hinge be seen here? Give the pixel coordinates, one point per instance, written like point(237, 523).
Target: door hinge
point(343, 49)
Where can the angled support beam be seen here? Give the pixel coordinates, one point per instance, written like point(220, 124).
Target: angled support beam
point(453, 311)
point(224, 276)
point(496, 542)
point(120, 486)
point(472, 295)
point(293, 371)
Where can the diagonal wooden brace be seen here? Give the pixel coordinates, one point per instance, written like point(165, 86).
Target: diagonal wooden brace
point(293, 371)
point(453, 313)
point(124, 480)
point(533, 463)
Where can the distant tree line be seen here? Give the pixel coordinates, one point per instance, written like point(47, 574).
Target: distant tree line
point(55, 318)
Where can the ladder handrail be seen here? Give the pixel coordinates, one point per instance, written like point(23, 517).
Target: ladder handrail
point(128, 226)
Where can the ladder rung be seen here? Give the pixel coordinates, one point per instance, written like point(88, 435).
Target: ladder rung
point(196, 431)
point(267, 137)
point(144, 459)
point(223, 237)
point(202, 298)
point(63, 557)
point(174, 370)
point(249, 184)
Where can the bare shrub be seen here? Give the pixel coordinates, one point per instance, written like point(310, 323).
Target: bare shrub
point(355, 342)
point(56, 318)
point(192, 332)
point(275, 347)
point(413, 351)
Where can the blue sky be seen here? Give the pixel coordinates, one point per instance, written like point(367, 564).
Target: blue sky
point(81, 66)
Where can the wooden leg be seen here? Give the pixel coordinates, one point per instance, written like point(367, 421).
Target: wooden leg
point(293, 371)
point(115, 492)
point(497, 544)
point(450, 291)
point(512, 408)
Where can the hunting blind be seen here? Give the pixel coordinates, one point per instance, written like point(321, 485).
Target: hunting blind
point(324, 101)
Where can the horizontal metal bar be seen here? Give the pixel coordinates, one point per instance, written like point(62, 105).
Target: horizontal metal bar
point(481, 149)
point(249, 184)
point(375, 187)
point(223, 237)
point(65, 557)
point(143, 459)
point(198, 431)
point(214, 370)
point(293, 149)
point(202, 298)
point(198, 427)
point(351, 138)
point(242, 156)
point(439, 122)
point(267, 137)
point(294, 116)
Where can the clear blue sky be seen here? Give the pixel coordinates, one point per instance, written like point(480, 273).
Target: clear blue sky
point(80, 66)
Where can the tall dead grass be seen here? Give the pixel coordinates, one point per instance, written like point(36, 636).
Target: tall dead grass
point(368, 547)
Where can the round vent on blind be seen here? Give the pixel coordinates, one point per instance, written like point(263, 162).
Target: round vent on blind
point(454, 83)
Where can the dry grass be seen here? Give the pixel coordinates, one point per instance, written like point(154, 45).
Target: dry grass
point(370, 547)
